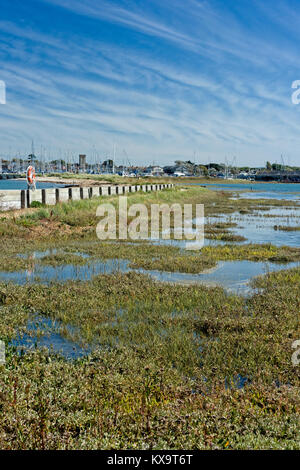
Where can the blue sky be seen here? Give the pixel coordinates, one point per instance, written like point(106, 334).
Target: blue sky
point(162, 80)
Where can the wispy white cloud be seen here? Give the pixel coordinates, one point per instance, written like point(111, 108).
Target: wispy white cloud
point(198, 79)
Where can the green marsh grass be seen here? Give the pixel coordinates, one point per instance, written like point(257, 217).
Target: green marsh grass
point(166, 372)
point(168, 358)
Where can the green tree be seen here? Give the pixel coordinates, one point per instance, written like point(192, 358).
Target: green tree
point(268, 166)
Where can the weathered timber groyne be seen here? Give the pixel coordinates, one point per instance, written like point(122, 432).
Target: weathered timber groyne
point(21, 199)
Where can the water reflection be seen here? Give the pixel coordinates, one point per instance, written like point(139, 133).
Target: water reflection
point(43, 332)
point(233, 276)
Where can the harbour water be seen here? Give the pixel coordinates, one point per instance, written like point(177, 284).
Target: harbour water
point(15, 184)
point(287, 191)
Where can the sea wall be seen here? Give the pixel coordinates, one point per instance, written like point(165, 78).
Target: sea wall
point(21, 199)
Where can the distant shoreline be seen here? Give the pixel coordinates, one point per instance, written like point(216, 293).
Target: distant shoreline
point(95, 180)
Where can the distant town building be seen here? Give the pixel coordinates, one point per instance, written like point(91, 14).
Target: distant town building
point(154, 171)
point(82, 162)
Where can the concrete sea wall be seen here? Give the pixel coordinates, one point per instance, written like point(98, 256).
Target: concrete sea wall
point(20, 199)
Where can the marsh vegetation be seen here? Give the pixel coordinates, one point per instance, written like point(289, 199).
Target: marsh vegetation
point(166, 366)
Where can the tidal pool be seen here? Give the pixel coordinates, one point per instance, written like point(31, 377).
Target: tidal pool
point(258, 227)
point(44, 333)
point(233, 276)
